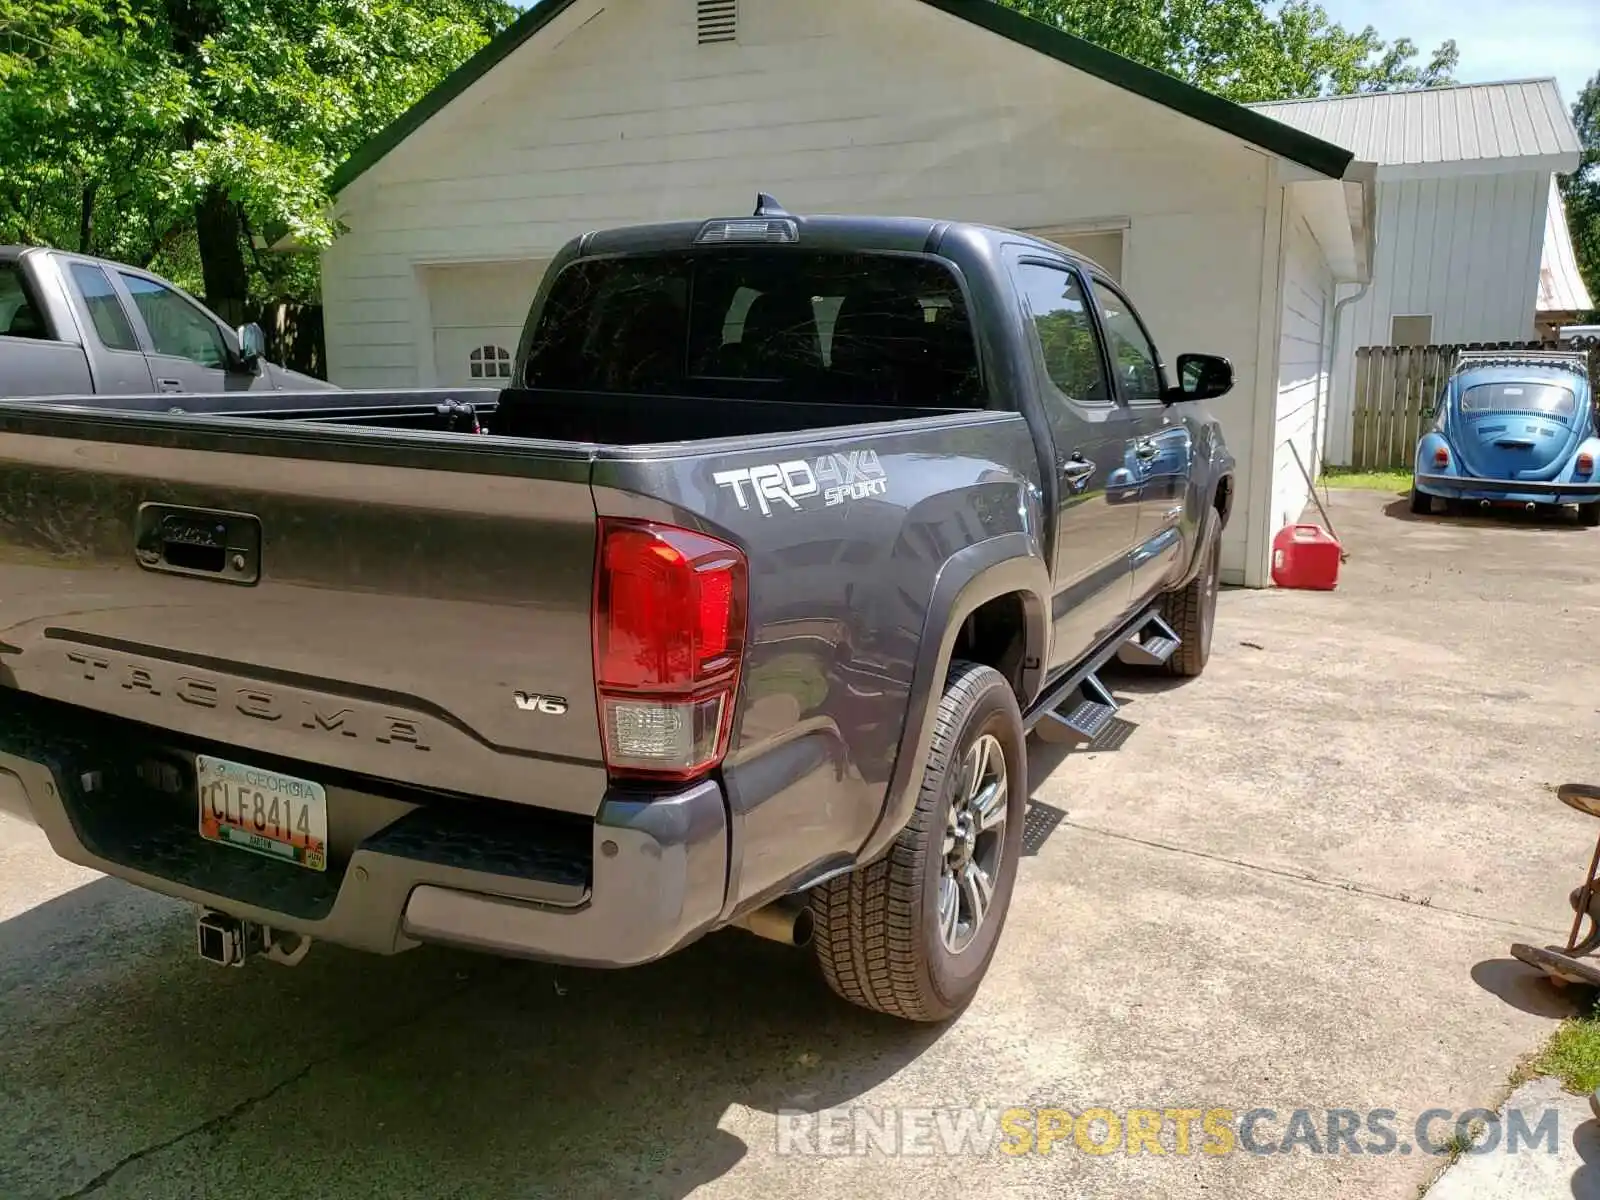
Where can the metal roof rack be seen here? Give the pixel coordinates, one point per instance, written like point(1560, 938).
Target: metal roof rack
point(1572, 360)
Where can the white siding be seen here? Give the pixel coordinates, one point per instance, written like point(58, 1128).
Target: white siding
point(1465, 251)
point(1304, 355)
point(614, 114)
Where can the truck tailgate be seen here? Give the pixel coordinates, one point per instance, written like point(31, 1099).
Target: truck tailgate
point(377, 602)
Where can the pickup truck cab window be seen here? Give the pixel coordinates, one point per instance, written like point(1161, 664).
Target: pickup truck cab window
point(1065, 331)
point(176, 327)
point(105, 307)
point(824, 327)
point(18, 315)
point(1133, 354)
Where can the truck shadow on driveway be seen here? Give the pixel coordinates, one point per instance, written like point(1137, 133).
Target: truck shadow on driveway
point(128, 1067)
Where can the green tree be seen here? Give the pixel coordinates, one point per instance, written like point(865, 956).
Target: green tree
point(1580, 191)
point(181, 133)
point(1247, 50)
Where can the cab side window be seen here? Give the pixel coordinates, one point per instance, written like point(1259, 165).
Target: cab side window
point(1133, 354)
point(177, 328)
point(1064, 331)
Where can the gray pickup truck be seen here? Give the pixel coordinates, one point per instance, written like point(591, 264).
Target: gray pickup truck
point(735, 610)
point(75, 325)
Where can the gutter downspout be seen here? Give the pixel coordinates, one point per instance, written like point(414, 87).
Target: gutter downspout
point(1333, 367)
point(1364, 175)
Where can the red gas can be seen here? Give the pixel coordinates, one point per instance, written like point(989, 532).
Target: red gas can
point(1306, 556)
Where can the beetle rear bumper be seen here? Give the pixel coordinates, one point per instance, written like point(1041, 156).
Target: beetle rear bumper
point(1467, 487)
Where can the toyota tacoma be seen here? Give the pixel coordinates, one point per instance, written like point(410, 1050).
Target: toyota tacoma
point(735, 610)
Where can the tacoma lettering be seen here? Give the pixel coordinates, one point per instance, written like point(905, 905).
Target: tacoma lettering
point(258, 704)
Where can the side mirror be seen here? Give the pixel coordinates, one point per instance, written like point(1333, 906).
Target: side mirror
point(252, 346)
point(1201, 377)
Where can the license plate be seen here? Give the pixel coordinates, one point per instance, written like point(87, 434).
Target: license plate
point(262, 811)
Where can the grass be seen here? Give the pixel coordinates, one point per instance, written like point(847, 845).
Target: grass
point(1373, 481)
point(1572, 1055)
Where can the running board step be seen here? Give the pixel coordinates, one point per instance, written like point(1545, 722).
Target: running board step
point(1151, 646)
point(1081, 717)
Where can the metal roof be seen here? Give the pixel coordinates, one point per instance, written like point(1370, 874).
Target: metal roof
point(1430, 127)
point(1560, 283)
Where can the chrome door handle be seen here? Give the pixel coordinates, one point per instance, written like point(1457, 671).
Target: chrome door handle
point(1077, 471)
point(169, 385)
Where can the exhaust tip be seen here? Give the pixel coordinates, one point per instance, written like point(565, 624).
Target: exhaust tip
point(1529, 507)
point(783, 921)
point(1483, 504)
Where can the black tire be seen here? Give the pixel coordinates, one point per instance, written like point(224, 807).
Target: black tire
point(1421, 503)
point(878, 935)
point(1589, 514)
point(1192, 612)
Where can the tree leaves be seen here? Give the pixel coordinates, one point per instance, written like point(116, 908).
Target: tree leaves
point(138, 111)
point(121, 120)
point(1247, 50)
point(1580, 191)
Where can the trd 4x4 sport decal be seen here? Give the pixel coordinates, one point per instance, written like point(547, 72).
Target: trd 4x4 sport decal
point(854, 475)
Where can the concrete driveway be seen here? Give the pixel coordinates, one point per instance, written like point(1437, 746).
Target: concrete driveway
point(1292, 885)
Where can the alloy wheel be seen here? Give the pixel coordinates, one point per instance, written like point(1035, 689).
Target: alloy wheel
point(973, 840)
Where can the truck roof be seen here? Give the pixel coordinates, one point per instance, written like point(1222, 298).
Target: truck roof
point(772, 225)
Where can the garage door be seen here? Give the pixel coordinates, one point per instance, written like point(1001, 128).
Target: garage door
point(1104, 246)
point(478, 310)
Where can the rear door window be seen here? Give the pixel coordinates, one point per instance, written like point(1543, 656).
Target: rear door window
point(105, 307)
point(19, 316)
point(861, 328)
point(1064, 331)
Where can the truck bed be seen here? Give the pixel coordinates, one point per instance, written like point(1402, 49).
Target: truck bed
point(337, 588)
point(590, 419)
point(332, 578)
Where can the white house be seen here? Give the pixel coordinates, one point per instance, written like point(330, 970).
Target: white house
point(1230, 229)
point(1465, 186)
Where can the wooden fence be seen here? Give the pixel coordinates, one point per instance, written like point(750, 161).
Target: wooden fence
point(294, 336)
point(1396, 388)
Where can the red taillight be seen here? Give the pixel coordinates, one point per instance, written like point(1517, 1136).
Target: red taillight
point(1585, 463)
point(1441, 457)
point(669, 623)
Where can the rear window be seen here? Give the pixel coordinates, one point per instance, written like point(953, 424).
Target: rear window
point(18, 315)
point(1548, 398)
point(783, 325)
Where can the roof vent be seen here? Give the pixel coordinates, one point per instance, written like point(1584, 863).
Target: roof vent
point(718, 21)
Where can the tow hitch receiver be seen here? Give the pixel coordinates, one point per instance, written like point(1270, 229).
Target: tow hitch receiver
point(231, 942)
point(227, 941)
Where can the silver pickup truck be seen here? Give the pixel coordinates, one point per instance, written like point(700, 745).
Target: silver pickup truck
point(71, 325)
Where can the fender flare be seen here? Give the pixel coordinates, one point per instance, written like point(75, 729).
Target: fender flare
point(1210, 519)
point(969, 579)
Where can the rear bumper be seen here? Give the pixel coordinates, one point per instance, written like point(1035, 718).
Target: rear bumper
point(1466, 487)
point(642, 879)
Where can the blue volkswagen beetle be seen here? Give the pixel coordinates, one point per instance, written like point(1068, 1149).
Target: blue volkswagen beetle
point(1512, 426)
